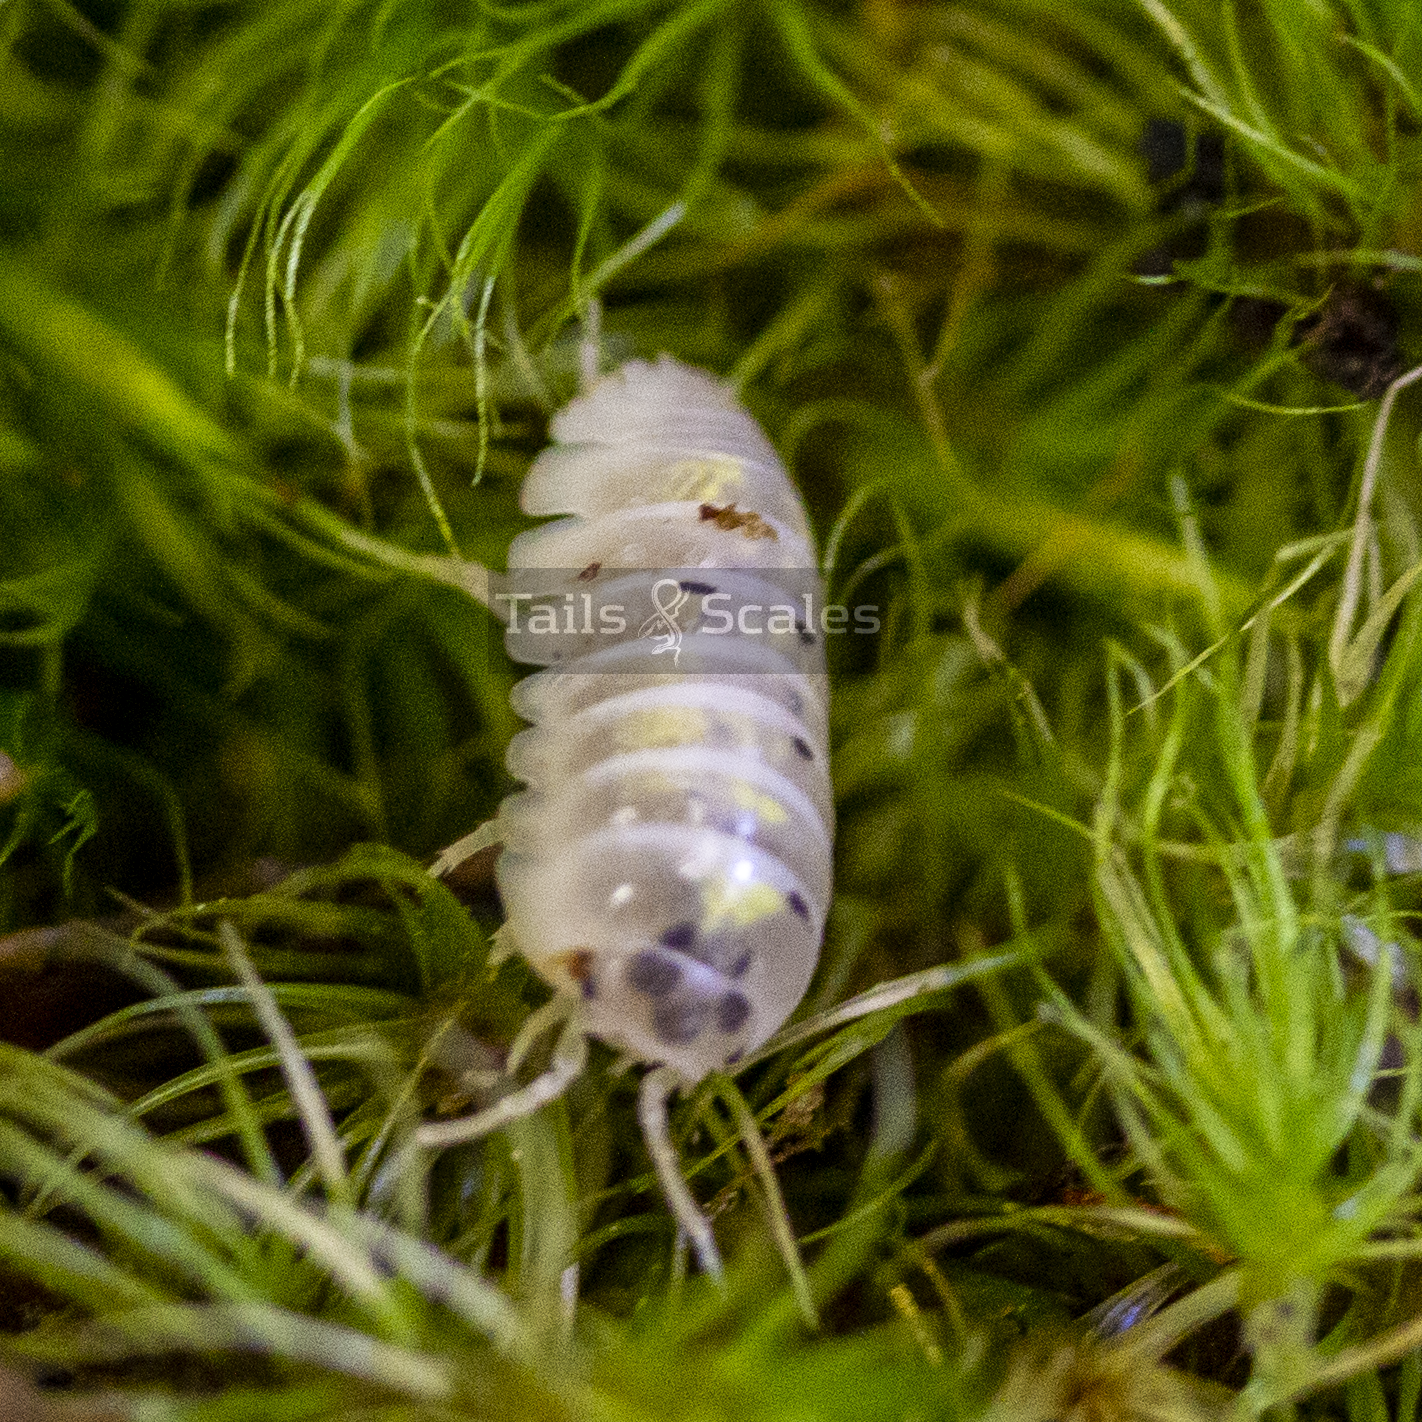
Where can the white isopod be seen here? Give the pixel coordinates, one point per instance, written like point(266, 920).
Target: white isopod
point(668, 866)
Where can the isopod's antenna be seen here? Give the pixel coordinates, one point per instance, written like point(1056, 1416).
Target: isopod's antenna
point(555, 1011)
point(569, 1058)
point(657, 1087)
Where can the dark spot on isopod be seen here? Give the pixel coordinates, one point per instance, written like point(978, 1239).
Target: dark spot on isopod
point(677, 1023)
point(798, 905)
point(590, 572)
point(679, 937)
point(700, 589)
point(806, 636)
point(653, 973)
point(732, 1011)
point(735, 1056)
point(802, 748)
point(742, 964)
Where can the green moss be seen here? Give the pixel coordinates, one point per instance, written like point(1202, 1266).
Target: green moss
point(1072, 320)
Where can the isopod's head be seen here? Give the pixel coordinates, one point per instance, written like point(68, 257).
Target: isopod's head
point(683, 947)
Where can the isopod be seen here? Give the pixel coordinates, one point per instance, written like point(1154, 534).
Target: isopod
point(668, 866)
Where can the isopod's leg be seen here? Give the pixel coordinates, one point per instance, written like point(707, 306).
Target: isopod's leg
point(590, 346)
point(468, 576)
point(485, 837)
point(569, 1058)
point(657, 1087)
point(502, 946)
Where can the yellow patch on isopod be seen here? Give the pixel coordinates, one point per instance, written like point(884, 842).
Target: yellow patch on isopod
point(747, 797)
point(705, 480)
point(662, 726)
point(729, 903)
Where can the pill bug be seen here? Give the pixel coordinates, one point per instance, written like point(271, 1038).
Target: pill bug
point(668, 866)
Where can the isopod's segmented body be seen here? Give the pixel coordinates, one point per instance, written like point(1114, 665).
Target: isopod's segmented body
point(669, 863)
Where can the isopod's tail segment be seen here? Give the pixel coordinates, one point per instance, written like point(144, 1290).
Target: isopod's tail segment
point(657, 1087)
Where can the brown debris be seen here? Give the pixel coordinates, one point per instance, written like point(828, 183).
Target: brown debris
point(730, 519)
